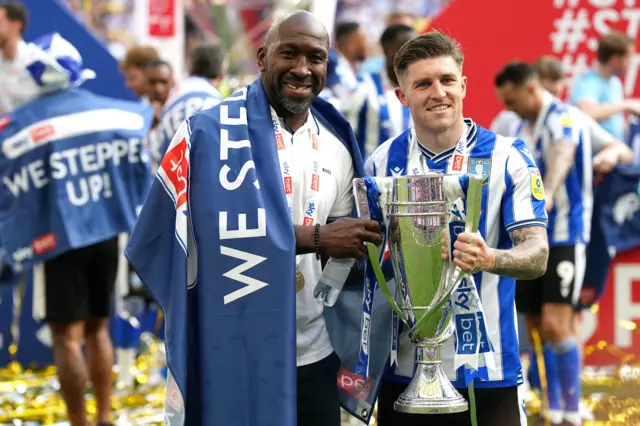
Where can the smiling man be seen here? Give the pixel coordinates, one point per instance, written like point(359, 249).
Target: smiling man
point(250, 196)
point(511, 242)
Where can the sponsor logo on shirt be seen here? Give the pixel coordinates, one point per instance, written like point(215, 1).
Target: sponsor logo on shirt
point(537, 188)
point(175, 165)
point(42, 133)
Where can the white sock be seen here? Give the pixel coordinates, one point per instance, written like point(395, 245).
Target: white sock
point(554, 416)
point(573, 418)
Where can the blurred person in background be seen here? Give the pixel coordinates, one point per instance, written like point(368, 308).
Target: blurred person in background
point(377, 63)
point(72, 217)
point(133, 69)
point(344, 61)
point(16, 84)
point(158, 74)
point(401, 17)
point(563, 156)
point(599, 91)
point(374, 110)
point(609, 151)
point(207, 66)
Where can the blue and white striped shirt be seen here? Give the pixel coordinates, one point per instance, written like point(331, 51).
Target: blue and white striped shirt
point(375, 113)
point(512, 199)
point(192, 95)
point(570, 217)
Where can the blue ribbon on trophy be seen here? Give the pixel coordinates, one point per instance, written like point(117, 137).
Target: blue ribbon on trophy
point(473, 346)
point(375, 213)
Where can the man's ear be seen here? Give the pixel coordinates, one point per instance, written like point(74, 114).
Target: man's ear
point(262, 56)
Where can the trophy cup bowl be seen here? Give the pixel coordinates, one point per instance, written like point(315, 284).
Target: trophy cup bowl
point(416, 213)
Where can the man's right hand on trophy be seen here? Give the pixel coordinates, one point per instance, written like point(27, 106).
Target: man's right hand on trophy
point(345, 238)
point(470, 252)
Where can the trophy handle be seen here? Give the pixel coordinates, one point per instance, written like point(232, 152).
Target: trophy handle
point(377, 270)
point(472, 222)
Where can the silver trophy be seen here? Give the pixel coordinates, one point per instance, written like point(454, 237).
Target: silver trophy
point(416, 212)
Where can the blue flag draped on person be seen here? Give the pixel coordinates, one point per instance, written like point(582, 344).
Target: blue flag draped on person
point(617, 204)
point(73, 167)
point(215, 245)
point(74, 171)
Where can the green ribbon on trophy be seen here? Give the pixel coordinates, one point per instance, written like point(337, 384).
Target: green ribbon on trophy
point(416, 217)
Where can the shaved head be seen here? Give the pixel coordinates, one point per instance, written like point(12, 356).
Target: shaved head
point(299, 19)
point(293, 62)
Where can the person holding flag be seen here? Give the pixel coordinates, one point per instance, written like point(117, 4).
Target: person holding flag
point(562, 150)
point(374, 110)
point(199, 91)
point(511, 243)
point(74, 173)
point(250, 196)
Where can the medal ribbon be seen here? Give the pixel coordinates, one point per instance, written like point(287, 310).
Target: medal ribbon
point(285, 158)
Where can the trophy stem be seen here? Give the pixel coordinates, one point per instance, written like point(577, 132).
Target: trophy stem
point(430, 391)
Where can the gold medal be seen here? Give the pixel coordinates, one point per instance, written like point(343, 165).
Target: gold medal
point(299, 281)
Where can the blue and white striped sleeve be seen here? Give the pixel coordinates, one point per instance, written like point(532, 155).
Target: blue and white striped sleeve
point(563, 127)
point(523, 199)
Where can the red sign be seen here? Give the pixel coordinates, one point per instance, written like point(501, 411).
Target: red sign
point(567, 29)
point(162, 18)
point(611, 338)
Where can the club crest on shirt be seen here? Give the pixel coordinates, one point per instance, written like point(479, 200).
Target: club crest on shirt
point(537, 188)
point(482, 167)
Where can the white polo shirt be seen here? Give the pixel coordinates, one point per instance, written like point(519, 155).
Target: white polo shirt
point(335, 200)
point(17, 86)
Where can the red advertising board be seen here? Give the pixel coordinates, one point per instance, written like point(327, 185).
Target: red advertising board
point(610, 333)
point(494, 33)
point(162, 18)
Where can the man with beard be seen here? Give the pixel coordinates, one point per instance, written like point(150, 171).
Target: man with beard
point(374, 110)
point(16, 85)
point(219, 216)
point(562, 150)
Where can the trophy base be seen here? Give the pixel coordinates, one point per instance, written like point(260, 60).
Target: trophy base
point(430, 391)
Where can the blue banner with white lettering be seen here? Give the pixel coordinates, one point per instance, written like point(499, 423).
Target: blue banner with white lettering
point(74, 171)
point(223, 272)
point(615, 227)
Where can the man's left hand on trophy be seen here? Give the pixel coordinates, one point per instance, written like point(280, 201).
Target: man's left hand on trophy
point(470, 252)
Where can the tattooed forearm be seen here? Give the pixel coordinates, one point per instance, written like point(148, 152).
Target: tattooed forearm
point(559, 162)
point(528, 257)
